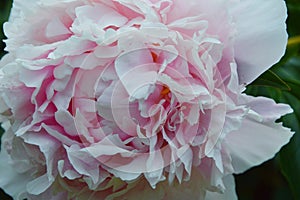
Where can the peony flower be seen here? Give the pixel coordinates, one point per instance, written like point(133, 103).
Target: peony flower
point(137, 99)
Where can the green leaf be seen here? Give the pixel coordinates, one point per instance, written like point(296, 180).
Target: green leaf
point(293, 17)
point(290, 155)
point(287, 72)
point(271, 79)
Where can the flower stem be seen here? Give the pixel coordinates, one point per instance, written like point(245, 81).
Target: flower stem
point(294, 40)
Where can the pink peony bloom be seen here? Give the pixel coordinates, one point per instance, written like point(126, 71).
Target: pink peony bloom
point(137, 99)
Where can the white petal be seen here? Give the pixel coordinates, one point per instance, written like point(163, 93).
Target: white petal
point(157, 30)
point(83, 162)
point(108, 146)
point(49, 147)
point(51, 130)
point(229, 193)
point(255, 143)
point(104, 103)
point(72, 46)
point(85, 61)
point(267, 108)
point(39, 185)
point(11, 181)
point(65, 169)
point(261, 36)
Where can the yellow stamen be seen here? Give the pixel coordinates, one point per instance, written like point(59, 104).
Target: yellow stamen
point(165, 91)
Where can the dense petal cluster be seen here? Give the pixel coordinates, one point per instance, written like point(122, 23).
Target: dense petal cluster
point(131, 99)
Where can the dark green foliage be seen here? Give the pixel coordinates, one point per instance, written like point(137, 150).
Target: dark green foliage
point(282, 83)
point(5, 6)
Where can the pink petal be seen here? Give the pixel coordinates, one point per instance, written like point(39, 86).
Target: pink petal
point(266, 108)
point(255, 142)
point(261, 36)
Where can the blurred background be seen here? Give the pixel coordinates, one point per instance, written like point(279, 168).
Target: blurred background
point(279, 178)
